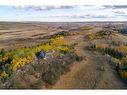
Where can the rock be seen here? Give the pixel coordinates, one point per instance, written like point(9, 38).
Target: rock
point(41, 55)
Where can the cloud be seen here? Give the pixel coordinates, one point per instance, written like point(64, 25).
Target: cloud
point(119, 12)
point(114, 6)
point(83, 11)
point(106, 7)
point(42, 8)
point(120, 6)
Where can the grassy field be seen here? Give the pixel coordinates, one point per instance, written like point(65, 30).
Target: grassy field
point(78, 55)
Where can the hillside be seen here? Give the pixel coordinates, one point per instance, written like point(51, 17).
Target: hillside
point(63, 56)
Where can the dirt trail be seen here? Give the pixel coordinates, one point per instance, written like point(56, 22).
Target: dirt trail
point(85, 75)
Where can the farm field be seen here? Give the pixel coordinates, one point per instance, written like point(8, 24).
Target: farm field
point(63, 55)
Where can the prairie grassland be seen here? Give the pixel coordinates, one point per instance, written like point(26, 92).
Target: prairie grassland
point(78, 55)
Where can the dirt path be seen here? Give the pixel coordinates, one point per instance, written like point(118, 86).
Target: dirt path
point(85, 75)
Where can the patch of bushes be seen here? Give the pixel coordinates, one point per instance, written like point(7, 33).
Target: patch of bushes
point(18, 58)
point(114, 52)
point(36, 75)
point(123, 30)
point(54, 72)
point(119, 54)
point(57, 68)
point(37, 85)
point(51, 77)
point(90, 36)
point(62, 33)
point(103, 33)
point(17, 81)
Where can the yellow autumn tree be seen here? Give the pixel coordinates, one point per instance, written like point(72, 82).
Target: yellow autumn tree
point(90, 36)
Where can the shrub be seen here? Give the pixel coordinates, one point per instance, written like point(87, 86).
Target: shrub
point(79, 58)
point(30, 70)
point(90, 36)
point(37, 85)
point(123, 74)
point(17, 82)
point(50, 77)
point(54, 72)
point(4, 74)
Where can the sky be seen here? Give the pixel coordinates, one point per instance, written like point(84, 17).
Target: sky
point(63, 13)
